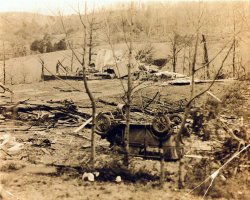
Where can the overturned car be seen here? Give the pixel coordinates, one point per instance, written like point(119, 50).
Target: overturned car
point(147, 133)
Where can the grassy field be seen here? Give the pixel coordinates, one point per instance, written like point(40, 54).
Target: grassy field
point(28, 69)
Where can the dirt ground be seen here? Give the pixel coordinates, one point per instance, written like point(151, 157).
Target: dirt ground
point(51, 162)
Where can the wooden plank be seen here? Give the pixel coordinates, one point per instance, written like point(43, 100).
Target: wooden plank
point(83, 125)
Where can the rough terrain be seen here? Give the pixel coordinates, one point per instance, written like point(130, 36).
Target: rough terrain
point(51, 162)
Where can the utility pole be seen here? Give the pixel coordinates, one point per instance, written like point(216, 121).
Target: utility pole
point(4, 72)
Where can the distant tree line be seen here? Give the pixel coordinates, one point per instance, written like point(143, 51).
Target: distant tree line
point(45, 45)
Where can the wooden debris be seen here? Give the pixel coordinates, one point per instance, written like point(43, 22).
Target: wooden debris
point(231, 133)
point(47, 115)
point(83, 125)
point(5, 88)
point(107, 102)
point(215, 97)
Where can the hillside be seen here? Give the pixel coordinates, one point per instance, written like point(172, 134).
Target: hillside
point(154, 22)
point(158, 25)
point(150, 100)
point(27, 69)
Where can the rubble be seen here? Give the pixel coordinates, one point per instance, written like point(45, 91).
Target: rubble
point(48, 115)
point(166, 75)
point(9, 145)
point(118, 179)
point(88, 177)
point(75, 142)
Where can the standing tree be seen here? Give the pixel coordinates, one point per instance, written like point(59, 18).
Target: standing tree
point(176, 47)
point(205, 58)
point(177, 43)
point(126, 28)
point(4, 70)
point(234, 48)
point(93, 27)
point(129, 90)
point(83, 63)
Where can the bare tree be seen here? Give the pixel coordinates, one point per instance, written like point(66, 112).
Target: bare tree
point(184, 60)
point(93, 27)
point(205, 58)
point(91, 97)
point(42, 72)
point(4, 70)
point(194, 96)
point(178, 42)
point(128, 37)
point(83, 63)
point(127, 30)
point(234, 48)
point(176, 47)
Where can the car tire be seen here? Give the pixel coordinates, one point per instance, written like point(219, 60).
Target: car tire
point(161, 127)
point(176, 119)
point(103, 124)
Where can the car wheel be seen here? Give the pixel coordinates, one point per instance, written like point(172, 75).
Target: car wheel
point(103, 124)
point(161, 127)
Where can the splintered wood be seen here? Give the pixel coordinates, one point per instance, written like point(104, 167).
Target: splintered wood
point(46, 115)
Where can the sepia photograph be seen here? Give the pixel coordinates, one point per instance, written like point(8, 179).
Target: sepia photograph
point(124, 99)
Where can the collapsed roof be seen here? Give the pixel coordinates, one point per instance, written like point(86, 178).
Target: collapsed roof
point(117, 60)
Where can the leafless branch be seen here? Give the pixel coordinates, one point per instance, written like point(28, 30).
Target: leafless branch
point(215, 78)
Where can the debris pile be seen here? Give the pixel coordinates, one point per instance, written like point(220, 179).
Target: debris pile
point(9, 145)
point(226, 126)
point(48, 114)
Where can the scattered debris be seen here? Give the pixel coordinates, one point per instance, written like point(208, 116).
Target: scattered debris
point(118, 179)
point(166, 75)
point(88, 177)
point(5, 88)
point(96, 174)
point(9, 145)
point(48, 115)
point(215, 97)
point(83, 125)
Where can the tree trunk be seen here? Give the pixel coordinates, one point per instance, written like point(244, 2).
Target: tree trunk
point(4, 72)
point(129, 90)
point(90, 43)
point(184, 59)
point(90, 95)
point(193, 66)
point(189, 61)
point(234, 67)
point(42, 75)
point(206, 59)
point(72, 61)
point(174, 57)
point(162, 162)
point(234, 47)
point(126, 136)
point(181, 175)
point(192, 83)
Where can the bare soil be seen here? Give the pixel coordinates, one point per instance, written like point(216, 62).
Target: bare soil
point(51, 163)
